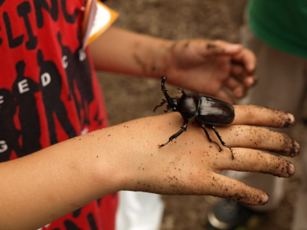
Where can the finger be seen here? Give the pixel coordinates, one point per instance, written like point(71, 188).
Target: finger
point(252, 160)
point(250, 80)
point(227, 47)
point(229, 188)
point(260, 116)
point(259, 138)
point(238, 71)
point(247, 58)
point(236, 87)
point(219, 47)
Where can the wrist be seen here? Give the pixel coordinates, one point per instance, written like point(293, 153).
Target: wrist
point(158, 56)
point(140, 158)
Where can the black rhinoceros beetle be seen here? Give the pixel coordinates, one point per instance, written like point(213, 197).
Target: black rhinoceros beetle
point(207, 110)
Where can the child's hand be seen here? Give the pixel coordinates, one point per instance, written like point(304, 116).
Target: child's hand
point(191, 164)
point(206, 66)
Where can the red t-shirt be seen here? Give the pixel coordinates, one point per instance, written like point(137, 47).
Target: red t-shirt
point(49, 91)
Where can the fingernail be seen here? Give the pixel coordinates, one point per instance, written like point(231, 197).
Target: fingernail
point(249, 82)
point(238, 93)
point(264, 198)
point(291, 118)
point(295, 149)
point(251, 67)
point(291, 169)
point(291, 149)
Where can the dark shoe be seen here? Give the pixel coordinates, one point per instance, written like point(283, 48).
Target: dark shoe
point(228, 215)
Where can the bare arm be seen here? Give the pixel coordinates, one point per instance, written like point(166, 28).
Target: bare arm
point(57, 180)
point(204, 66)
point(126, 52)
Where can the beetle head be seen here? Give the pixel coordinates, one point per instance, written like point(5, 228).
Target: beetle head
point(171, 103)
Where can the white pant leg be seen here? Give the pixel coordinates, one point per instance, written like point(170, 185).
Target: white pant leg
point(139, 211)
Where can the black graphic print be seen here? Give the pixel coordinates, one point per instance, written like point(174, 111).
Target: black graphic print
point(13, 42)
point(70, 225)
point(84, 83)
point(51, 83)
point(75, 62)
point(8, 109)
point(1, 40)
point(67, 59)
point(23, 10)
point(69, 18)
point(91, 220)
point(42, 4)
point(76, 213)
point(24, 89)
point(79, 79)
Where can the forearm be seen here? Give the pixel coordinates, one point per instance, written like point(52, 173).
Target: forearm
point(130, 53)
point(200, 65)
point(46, 185)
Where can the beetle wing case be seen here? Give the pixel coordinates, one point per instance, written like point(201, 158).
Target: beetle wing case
point(215, 111)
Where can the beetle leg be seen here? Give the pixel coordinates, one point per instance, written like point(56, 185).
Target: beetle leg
point(206, 131)
point(223, 143)
point(162, 103)
point(183, 128)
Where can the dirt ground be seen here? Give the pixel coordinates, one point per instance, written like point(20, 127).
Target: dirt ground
point(129, 98)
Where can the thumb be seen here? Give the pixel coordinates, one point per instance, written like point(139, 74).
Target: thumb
point(229, 48)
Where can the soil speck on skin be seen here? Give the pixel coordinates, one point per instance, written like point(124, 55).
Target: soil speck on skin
point(137, 97)
point(210, 46)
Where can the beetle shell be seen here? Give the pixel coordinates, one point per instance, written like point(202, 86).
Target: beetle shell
point(188, 106)
point(214, 111)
